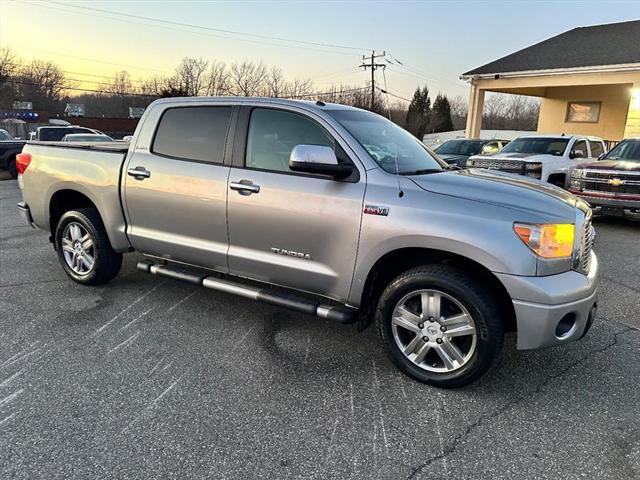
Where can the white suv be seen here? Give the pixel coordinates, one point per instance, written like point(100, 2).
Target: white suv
point(546, 157)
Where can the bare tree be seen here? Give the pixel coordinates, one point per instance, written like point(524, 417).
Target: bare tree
point(120, 85)
point(275, 83)
point(10, 64)
point(299, 88)
point(217, 79)
point(191, 75)
point(153, 86)
point(42, 83)
point(459, 107)
point(247, 78)
point(513, 112)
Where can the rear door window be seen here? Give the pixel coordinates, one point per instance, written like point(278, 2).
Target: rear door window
point(193, 133)
point(596, 148)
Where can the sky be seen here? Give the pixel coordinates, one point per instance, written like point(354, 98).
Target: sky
point(435, 41)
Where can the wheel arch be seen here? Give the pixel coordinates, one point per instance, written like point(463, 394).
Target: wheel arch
point(394, 262)
point(65, 200)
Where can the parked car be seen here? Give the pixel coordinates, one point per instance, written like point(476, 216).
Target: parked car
point(546, 157)
point(611, 185)
point(86, 137)
point(282, 202)
point(9, 148)
point(457, 152)
point(54, 133)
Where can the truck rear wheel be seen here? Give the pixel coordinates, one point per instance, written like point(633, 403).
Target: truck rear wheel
point(84, 249)
point(440, 325)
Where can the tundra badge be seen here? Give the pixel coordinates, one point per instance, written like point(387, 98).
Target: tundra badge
point(291, 253)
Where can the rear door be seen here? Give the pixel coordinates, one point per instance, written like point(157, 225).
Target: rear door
point(175, 189)
point(288, 228)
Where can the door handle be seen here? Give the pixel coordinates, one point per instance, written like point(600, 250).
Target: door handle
point(245, 187)
point(139, 173)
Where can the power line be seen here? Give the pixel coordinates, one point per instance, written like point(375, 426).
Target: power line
point(333, 92)
point(305, 95)
point(207, 33)
point(92, 59)
point(424, 77)
point(393, 95)
point(201, 27)
point(20, 82)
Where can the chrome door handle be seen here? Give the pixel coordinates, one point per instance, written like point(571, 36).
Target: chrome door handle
point(139, 173)
point(245, 187)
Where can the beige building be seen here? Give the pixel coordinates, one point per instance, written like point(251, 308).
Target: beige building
point(588, 79)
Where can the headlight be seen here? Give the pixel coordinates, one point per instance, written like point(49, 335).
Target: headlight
point(577, 172)
point(553, 240)
point(533, 166)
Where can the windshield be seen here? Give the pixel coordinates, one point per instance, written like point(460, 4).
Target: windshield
point(628, 150)
point(460, 147)
point(391, 147)
point(4, 135)
point(550, 146)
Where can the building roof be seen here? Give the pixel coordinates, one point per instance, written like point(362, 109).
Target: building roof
point(599, 45)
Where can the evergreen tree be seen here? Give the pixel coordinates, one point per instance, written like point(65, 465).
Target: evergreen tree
point(419, 112)
point(441, 115)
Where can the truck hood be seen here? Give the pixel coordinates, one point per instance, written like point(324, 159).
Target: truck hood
point(622, 165)
point(504, 189)
point(526, 157)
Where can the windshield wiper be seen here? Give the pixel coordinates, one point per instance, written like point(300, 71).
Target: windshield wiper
point(423, 171)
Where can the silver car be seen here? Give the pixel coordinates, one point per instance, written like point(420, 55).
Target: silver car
point(330, 211)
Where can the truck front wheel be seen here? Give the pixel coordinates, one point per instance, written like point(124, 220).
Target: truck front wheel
point(84, 249)
point(440, 325)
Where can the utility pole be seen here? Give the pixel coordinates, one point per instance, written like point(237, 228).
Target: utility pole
point(373, 66)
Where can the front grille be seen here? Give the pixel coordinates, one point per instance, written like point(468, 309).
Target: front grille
point(611, 182)
point(509, 166)
point(587, 239)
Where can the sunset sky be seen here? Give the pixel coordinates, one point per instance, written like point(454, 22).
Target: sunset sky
point(436, 41)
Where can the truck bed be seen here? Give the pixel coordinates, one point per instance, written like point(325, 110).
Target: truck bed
point(112, 147)
point(90, 169)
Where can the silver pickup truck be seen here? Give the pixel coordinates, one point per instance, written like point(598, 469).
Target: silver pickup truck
point(331, 211)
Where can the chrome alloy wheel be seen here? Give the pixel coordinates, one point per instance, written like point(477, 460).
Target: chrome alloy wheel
point(78, 249)
point(434, 330)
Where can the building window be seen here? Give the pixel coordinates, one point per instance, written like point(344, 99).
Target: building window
point(583, 112)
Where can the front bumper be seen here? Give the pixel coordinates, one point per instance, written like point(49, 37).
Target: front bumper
point(614, 206)
point(25, 213)
point(554, 309)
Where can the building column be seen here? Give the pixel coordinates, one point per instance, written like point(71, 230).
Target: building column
point(474, 114)
point(632, 127)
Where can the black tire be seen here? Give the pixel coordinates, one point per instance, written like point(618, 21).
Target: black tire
point(107, 262)
point(469, 292)
point(12, 168)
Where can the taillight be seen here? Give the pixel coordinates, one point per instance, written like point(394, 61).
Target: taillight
point(22, 162)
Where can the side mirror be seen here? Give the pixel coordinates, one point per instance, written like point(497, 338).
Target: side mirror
point(576, 154)
point(319, 160)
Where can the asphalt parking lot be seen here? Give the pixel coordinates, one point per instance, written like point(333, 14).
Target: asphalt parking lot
point(150, 378)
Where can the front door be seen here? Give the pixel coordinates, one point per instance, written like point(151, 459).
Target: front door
point(176, 191)
point(287, 228)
